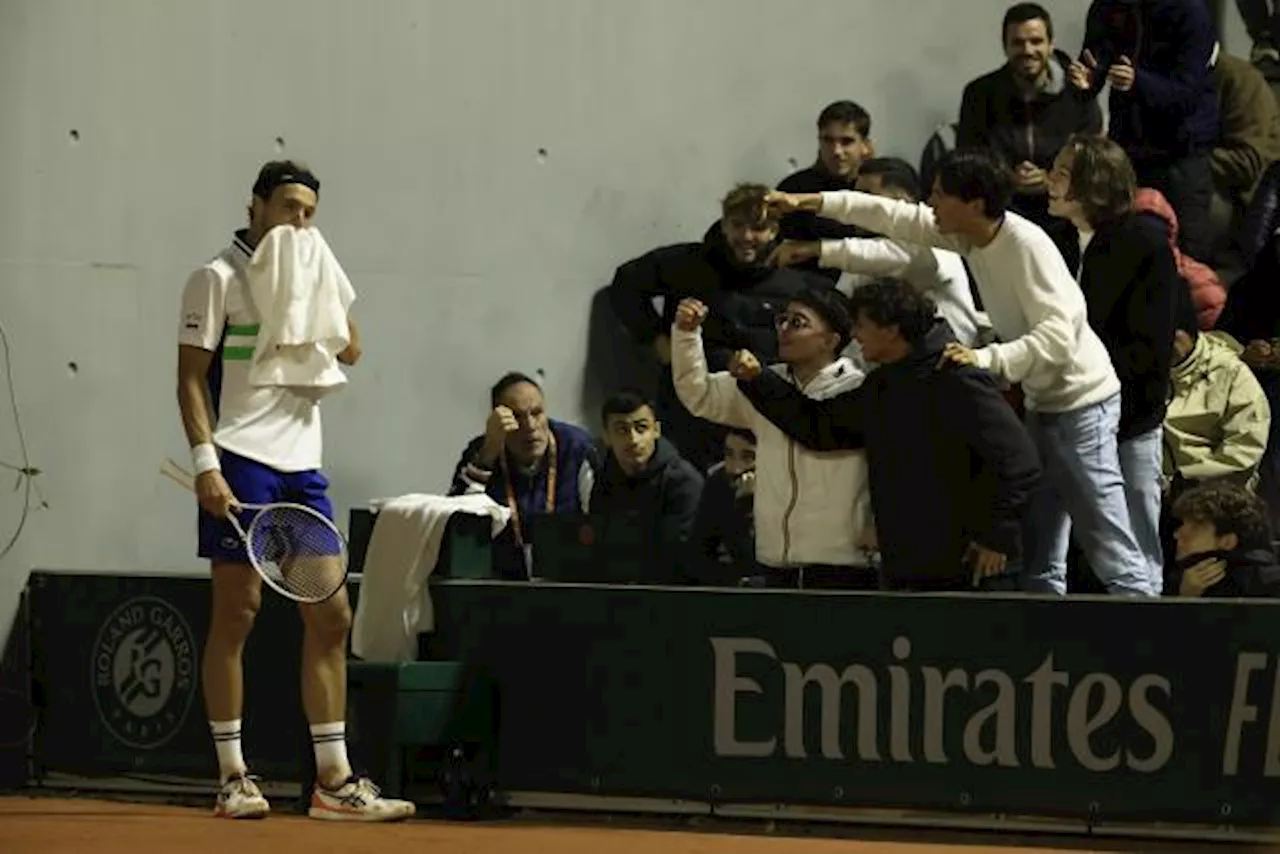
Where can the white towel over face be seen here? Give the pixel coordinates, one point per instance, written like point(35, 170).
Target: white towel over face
point(302, 296)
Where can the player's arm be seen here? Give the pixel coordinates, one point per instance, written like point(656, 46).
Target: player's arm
point(193, 394)
point(200, 330)
point(353, 352)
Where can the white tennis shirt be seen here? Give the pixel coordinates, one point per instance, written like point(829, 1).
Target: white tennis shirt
point(270, 424)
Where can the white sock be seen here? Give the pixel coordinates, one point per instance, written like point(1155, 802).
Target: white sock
point(330, 743)
point(226, 740)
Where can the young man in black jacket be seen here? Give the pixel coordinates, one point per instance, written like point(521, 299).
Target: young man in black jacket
point(1157, 55)
point(724, 538)
point(729, 273)
point(1132, 290)
point(645, 480)
point(1025, 111)
point(951, 467)
point(844, 144)
point(1224, 544)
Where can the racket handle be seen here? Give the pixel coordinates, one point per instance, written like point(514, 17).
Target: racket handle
point(183, 478)
point(178, 475)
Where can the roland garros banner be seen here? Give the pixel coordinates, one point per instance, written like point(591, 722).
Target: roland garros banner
point(117, 667)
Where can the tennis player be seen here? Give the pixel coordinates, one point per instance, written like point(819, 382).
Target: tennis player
point(266, 447)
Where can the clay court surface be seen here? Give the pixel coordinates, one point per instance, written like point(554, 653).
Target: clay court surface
point(52, 826)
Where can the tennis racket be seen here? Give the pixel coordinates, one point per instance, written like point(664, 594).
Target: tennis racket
point(298, 552)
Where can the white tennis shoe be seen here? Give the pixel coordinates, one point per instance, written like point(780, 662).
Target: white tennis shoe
point(357, 799)
point(240, 797)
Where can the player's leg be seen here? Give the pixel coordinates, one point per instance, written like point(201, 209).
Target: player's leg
point(339, 794)
point(236, 595)
point(324, 684)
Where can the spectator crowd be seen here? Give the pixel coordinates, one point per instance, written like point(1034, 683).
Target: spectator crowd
point(1045, 360)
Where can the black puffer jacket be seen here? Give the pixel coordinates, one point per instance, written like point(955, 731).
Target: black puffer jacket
point(1253, 302)
point(743, 301)
point(1260, 217)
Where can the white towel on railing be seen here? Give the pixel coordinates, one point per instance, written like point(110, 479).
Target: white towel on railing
point(302, 296)
point(394, 605)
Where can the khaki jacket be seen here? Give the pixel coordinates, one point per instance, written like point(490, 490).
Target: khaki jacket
point(1219, 419)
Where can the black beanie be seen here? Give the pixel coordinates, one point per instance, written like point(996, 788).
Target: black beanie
point(833, 307)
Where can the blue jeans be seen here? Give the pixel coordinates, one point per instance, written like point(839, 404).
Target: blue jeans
point(1141, 462)
point(1082, 488)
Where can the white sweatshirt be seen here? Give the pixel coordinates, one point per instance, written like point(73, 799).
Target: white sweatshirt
point(811, 507)
point(1035, 304)
point(937, 272)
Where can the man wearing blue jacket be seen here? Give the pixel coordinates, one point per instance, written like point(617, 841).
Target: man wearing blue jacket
point(1157, 55)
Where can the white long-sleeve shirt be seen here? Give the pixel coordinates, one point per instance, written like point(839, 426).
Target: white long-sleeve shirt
point(1033, 301)
point(937, 272)
point(811, 507)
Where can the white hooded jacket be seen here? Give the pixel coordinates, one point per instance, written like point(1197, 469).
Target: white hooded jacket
point(810, 507)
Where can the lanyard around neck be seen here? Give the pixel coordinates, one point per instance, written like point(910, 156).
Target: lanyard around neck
point(513, 504)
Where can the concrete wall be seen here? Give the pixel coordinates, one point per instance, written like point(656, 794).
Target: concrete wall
point(486, 164)
point(1234, 37)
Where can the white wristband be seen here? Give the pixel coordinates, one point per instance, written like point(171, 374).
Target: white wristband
point(204, 457)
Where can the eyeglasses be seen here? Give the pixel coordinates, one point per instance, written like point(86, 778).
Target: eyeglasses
point(797, 322)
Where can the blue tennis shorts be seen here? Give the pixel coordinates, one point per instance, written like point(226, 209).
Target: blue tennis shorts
point(253, 482)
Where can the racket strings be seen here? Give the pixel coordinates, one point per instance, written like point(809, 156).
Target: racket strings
point(299, 551)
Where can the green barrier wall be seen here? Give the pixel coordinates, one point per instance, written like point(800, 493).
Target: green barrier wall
point(1100, 709)
point(1094, 709)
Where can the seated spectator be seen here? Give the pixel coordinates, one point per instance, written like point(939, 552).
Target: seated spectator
point(951, 467)
point(1157, 56)
point(724, 537)
point(937, 272)
point(528, 462)
point(1025, 111)
point(1071, 390)
point(1249, 132)
point(844, 143)
point(812, 511)
point(1224, 544)
point(645, 479)
point(1132, 291)
point(1218, 418)
point(729, 273)
point(1208, 293)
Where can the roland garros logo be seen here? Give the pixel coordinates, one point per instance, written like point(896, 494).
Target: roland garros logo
point(144, 666)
